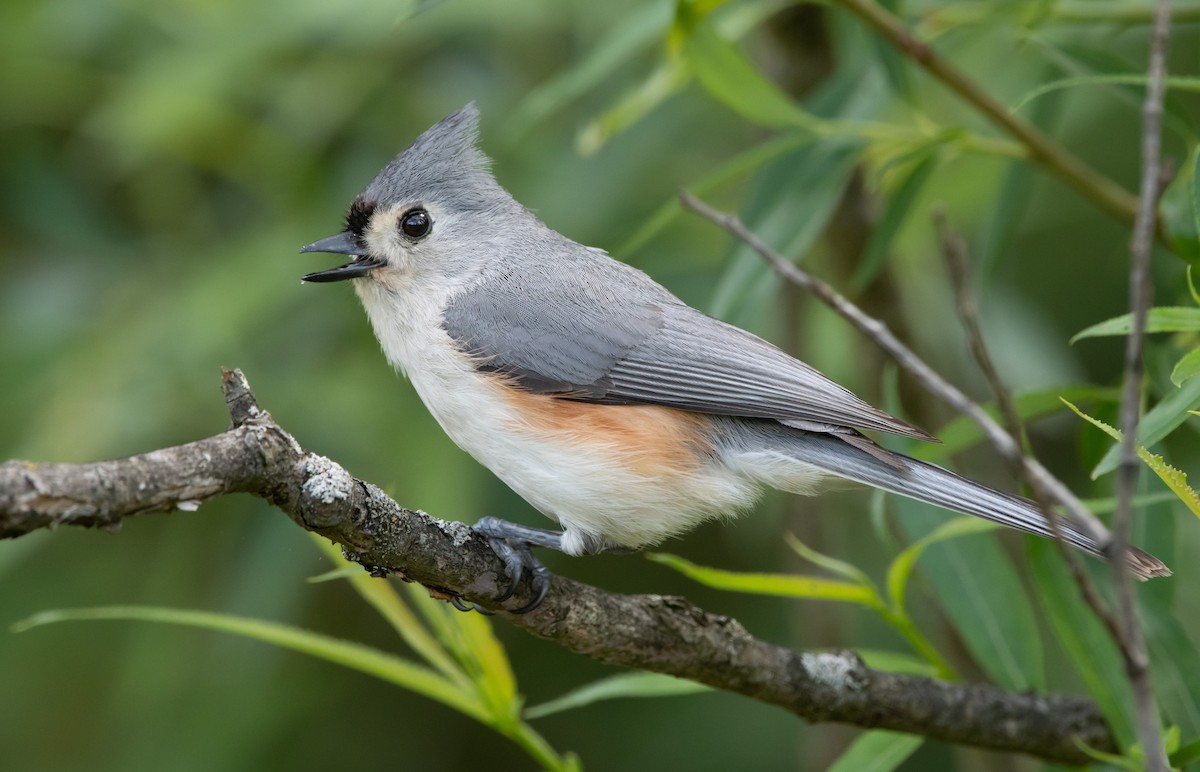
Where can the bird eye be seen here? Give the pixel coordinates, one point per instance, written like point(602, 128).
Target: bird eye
point(415, 223)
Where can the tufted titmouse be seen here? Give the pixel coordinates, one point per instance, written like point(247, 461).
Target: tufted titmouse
point(606, 402)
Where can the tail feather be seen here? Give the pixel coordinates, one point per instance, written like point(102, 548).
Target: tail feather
point(935, 485)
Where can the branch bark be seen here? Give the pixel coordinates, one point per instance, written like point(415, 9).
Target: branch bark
point(652, 632)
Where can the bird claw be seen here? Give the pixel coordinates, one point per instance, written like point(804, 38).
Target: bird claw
point(458, 603)
point(511, 543)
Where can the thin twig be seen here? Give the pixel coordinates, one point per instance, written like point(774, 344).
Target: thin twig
point(954, 249)
point(1140, 297)
point(883, 337)
point(1043, 150)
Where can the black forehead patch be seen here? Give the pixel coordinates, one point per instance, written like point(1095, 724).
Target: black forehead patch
point(359, 216)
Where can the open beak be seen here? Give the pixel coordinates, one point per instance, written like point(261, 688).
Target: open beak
point(342, 243)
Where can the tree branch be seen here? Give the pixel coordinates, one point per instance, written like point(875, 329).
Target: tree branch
point(1043, 150)
point(653, 632)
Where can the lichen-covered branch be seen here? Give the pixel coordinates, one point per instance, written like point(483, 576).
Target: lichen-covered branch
point(653, 632)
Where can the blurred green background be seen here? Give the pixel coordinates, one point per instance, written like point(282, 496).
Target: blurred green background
point(162, 162)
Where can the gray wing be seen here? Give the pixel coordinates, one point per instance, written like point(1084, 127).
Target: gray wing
point(569, 335)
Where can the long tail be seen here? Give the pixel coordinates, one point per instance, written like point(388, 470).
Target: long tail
point(935, 485)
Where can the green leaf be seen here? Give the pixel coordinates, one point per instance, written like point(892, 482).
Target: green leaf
point(1180, 216)
point(896, 662)
point(877, 751)
point(1174, 661)
point(1108, 504)
point(979, 588)
point(1186, 368)
point(1157, 423)
point(1186, 755)
point(791, 202)
point(898, 208)
point(1161, 319)
point(382, 597)
point(740, 164)
point(654, 89)
point(1174, 478)
point(902, 566)
point(963, 433)
point(833, 565)
point(786, 585)
point(1084, 639)
point(1195, 165)
point(726, 75)
point(637, 684)
point(638, 30)
point(1177, 82)
point(356, 656)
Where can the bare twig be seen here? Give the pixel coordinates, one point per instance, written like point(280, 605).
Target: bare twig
point(883, 337)
point(955, 251)
point(1043, 150)
point(652, 632)
point(1133, 644)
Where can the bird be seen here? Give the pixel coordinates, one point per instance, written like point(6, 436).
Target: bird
point(610, 405)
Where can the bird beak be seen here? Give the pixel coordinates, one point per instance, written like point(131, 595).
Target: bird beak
point(343, 243)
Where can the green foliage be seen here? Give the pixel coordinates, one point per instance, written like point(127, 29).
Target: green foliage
point(163, 162)
point(466, 669)
point(877, 751)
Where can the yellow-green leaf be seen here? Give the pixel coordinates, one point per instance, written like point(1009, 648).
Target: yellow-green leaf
point(1175, 479)
point(787, 585)
point(387, 667)
point(902, 566)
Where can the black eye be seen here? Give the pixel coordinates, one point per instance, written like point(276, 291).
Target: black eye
point(415, 223)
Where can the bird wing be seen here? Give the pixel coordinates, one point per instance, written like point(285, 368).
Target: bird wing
point(600, 331)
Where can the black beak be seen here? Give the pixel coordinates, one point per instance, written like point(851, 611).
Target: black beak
point(343, 243)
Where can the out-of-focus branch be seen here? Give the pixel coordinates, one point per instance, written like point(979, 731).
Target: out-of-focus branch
point(883, 337)
point(652, 632)
point(954, 249)
point(1133, 644)
point(1043, 149)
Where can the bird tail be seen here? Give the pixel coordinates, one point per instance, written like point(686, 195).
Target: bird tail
point(929, 483)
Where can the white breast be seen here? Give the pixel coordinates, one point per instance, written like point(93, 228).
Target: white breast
point(582, 483)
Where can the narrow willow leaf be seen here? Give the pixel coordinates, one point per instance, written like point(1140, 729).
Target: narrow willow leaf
point(786, 585)
point(731, 79)
point(355, 656)
point(1186, 368)
point(740, 164)
point(1186, 755)
point(902, 566)
point(635, 32)
point(896, 662)
point(983, 597)
point(963, 433)
point(638, 684)
point(1176, 82)
point(1174, 478)
point(898, 207)
point(877, 751)
point(1158, 422)
point(1108, 504)
point(382, 597)
point(1177, 213)
point(791, 202)
point(654, 89)
point(1174, 661)
point(831, 564)
point(1083, 638)
point(1160, 319)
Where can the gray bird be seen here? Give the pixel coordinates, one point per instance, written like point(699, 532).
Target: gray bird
point(610, 405)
